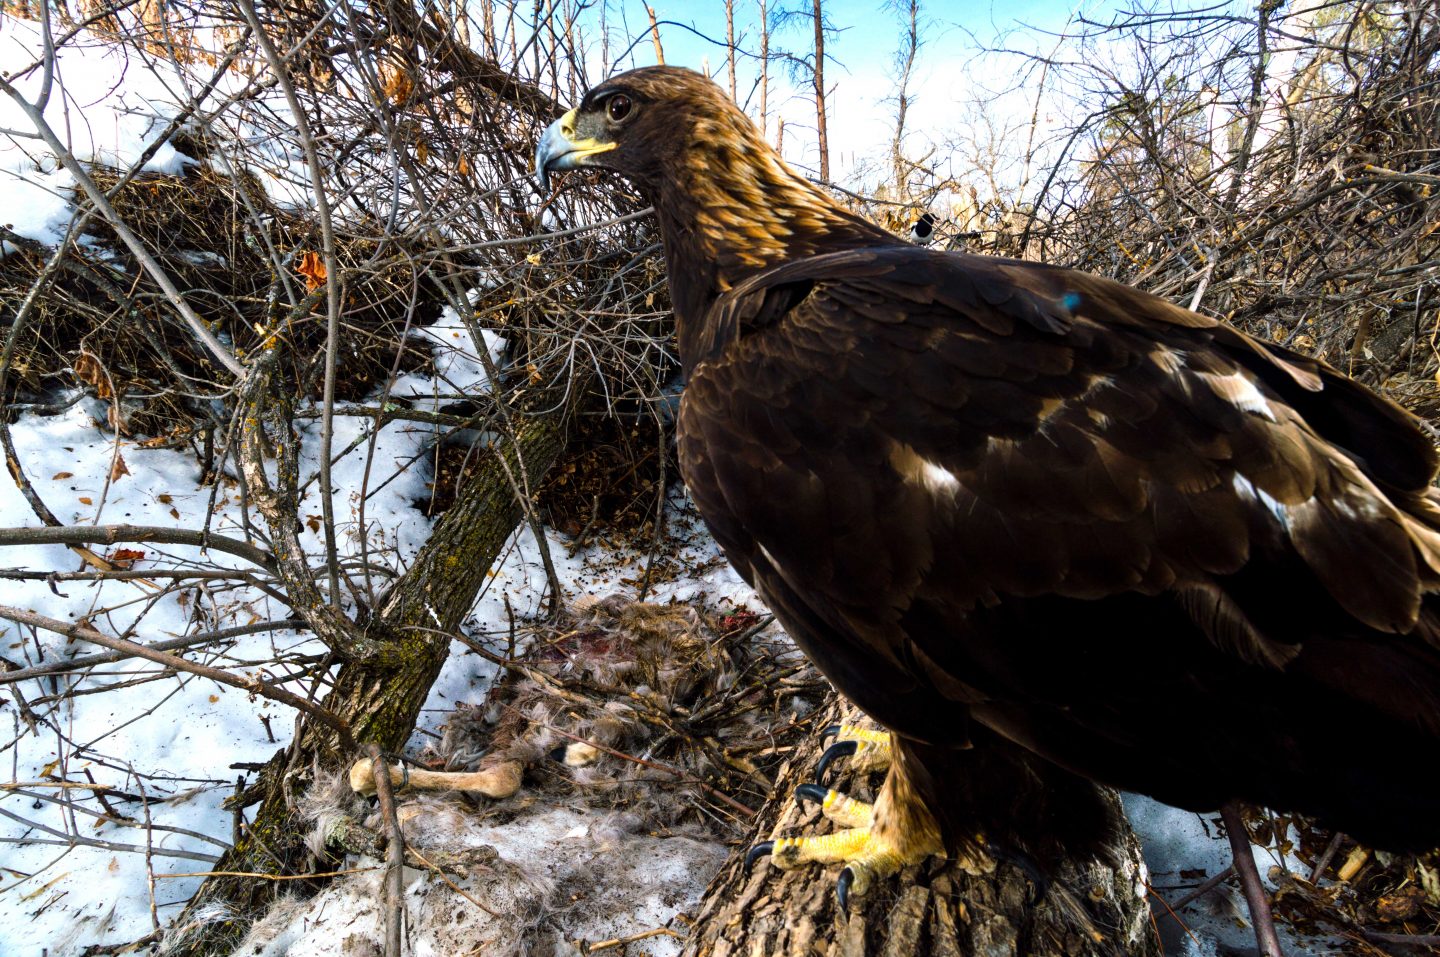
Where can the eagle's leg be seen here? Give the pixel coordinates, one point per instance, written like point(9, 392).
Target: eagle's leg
point(877, 840)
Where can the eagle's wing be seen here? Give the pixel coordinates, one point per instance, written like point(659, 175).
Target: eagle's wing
point(902, 441)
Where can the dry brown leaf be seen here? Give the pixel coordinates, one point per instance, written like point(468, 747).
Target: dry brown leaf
point(463, 166)
point(86, 500)
point(312, 267)
point(126, 557)
point(1401, 905)
point(90, 371)
point(118, 468)
point(395, 82)
point(61, 475)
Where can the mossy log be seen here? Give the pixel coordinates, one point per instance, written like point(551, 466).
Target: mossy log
point(379, 696)
point(1091, 907)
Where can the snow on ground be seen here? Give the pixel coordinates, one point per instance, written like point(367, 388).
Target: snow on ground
point(551, 886)
point(1181, 850)
point(459, 369)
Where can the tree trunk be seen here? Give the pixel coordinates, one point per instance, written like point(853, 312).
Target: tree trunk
point(764, 70)
point(730, 45)
point(819, 75)
point(379, 697)
point(905, 64)
point(931, 910)
point(655, 35)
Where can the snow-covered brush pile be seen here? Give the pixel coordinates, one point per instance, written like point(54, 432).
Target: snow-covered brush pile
point(644, 737)
point(99, 327)
point(397, 173)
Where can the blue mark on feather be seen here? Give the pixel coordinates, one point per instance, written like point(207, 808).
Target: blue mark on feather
point(1071, 301)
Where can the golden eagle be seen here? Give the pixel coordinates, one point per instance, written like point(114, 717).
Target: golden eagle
point(999, 498)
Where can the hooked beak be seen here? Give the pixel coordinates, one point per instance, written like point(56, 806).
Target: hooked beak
point(559, 150)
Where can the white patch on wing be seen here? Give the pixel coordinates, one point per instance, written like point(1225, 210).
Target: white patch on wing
point(937, 478)
point(1237, 389)
point(1247, 489)
point(918, 470)
point(1358, 508)
point(1168, 359)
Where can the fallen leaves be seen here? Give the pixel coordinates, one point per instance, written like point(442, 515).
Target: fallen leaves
point(125, 558)
point(312, 268)
point(89, 369)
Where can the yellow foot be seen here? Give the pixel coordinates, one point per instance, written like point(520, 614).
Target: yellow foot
point(876, 840)
point(870, 848)
point(867, 748)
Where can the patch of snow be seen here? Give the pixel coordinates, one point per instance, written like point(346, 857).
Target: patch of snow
point(1176, 841)
point(174, 738)
point(553, 879)
point(459, 366)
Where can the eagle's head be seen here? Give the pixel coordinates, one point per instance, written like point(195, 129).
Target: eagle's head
point(722, 193)
point(647, 125)
point(728, 206)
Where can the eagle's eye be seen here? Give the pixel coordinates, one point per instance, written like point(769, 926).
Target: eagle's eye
point(618, 107)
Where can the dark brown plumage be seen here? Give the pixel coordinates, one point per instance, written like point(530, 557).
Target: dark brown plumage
point(990, 496)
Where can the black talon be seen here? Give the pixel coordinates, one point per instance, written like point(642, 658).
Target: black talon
point(840, 749)
point(842, 889)
point(758, 851)
point(1026, 863)
point(811, 792)
point(830, 732)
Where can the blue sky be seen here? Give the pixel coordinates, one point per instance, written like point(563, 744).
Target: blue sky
point(859, 62)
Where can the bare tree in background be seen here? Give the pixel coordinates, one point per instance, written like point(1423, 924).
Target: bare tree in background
point(818, 75)
point(655, 36)
point(910, 41)
point(764, 68)
point(806, 70)
point(730, 45)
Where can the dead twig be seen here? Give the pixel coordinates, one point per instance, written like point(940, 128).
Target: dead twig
point(394, 853)
point(250, 684)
